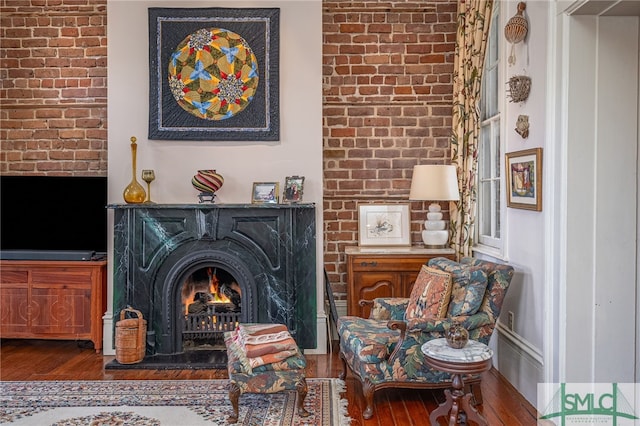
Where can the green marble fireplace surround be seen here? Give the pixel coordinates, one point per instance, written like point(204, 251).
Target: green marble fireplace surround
point(269, 249)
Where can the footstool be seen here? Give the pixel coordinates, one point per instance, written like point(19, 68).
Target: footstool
point(283, 375)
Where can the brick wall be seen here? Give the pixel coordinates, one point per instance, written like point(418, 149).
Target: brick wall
point(387, 69)
point(387, 77)
point(53, 72)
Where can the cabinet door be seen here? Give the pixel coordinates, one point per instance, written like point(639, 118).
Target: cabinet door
point(59, 310)
point(408, 280)
point(61, 302)
point(369, 285)
point(14, 302)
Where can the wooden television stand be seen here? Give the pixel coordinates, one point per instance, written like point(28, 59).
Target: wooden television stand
point(53, 299)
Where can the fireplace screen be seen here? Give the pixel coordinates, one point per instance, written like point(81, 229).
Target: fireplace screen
point(211, 303)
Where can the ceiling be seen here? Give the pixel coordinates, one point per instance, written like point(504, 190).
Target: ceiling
point(605, 7)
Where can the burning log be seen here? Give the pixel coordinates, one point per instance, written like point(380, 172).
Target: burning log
point(200, 303)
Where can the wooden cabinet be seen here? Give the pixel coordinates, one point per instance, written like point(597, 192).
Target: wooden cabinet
point(389, 272)
point(53, 300)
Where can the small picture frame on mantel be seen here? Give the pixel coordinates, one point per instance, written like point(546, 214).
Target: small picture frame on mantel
point(264, 193)
point(293, 187)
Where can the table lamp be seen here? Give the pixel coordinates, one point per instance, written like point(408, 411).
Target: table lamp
point(434, 182)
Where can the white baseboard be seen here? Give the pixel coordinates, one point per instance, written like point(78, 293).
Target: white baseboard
point(322, 346)
point(521, 363)
point(107, 334)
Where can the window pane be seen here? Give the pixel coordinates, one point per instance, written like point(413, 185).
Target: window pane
point(484, 198)
point(497, 212)
point(496, 144)
point(493, 92)
point(485, 153)
point(483, 100)
point(493, 40)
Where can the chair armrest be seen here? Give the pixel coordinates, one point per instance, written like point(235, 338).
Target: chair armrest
point(387, 308)
point(397, 325)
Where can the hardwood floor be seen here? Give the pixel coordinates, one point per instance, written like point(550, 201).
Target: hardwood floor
point(32, 360)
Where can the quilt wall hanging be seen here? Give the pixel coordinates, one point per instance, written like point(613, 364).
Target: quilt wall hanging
point(213, 74)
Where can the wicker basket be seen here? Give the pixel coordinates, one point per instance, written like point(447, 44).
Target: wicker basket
point(130, 337)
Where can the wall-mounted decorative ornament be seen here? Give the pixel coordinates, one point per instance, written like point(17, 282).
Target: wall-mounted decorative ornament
point(516, 30)
point(519, 88)
point(522, 126)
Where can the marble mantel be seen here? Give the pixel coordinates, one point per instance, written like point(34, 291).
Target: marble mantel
point(271, 248)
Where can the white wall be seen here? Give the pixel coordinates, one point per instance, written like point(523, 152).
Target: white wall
point(299, 151)
point(574, 295)
point(602, 149)
point(519, 352)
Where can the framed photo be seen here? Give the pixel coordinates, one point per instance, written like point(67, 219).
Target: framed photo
point(384, 225)
point(213, 74)
point(293, 186)
point(264, 193)
point(524, 179)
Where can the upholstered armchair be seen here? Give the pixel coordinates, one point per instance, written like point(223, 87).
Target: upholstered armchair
point(384, 350)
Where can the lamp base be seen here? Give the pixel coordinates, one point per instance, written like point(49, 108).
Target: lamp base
point(435, 238)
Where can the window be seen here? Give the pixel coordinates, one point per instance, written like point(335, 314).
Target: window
point(489, 155)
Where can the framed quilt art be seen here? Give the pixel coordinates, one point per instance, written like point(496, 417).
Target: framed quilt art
point(213, 74)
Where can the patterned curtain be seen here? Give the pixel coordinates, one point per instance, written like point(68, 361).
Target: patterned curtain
point(474, 17)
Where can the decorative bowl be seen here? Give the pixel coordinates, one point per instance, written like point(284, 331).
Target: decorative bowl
point(207, 181)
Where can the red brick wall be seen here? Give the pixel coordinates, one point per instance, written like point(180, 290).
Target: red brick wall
point(387, 69)
point(53, 72)
point(387, 72)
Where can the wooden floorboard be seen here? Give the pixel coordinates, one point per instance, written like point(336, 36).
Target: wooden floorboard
point(33, 360)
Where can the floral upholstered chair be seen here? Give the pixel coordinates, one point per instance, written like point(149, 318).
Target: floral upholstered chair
point(384, 350)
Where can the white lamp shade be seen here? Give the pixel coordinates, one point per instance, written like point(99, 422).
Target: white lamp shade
point(434, 182)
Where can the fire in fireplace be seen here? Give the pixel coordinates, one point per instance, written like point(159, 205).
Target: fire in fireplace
point(211, 302)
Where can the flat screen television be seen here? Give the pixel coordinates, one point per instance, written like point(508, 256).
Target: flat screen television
point(53, 217)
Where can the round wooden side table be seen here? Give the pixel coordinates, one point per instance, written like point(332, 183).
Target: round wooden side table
point(474, 358)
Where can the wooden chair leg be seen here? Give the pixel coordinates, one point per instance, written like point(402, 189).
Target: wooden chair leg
point(234, 396)
point(302, 389)
point(343, 373)
point(368, 389)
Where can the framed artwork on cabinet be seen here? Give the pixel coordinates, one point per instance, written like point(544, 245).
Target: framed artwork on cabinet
point(384, 225)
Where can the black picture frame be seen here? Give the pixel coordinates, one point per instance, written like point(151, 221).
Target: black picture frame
point(260, 120)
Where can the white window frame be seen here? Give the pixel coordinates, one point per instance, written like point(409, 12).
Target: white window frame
point(492, 243)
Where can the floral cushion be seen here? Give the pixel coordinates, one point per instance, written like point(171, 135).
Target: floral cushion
point(430, 294)
point(467, 288)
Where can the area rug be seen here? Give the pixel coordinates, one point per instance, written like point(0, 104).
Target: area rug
point(163, 402)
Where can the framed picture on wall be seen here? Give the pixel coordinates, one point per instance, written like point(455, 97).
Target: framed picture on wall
point(264, 193)
point(524, 179)
point(384, 225)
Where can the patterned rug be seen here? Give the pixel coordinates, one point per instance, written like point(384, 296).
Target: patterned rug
point(163, 402)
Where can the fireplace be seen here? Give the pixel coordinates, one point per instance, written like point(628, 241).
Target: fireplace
point(195, 271)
